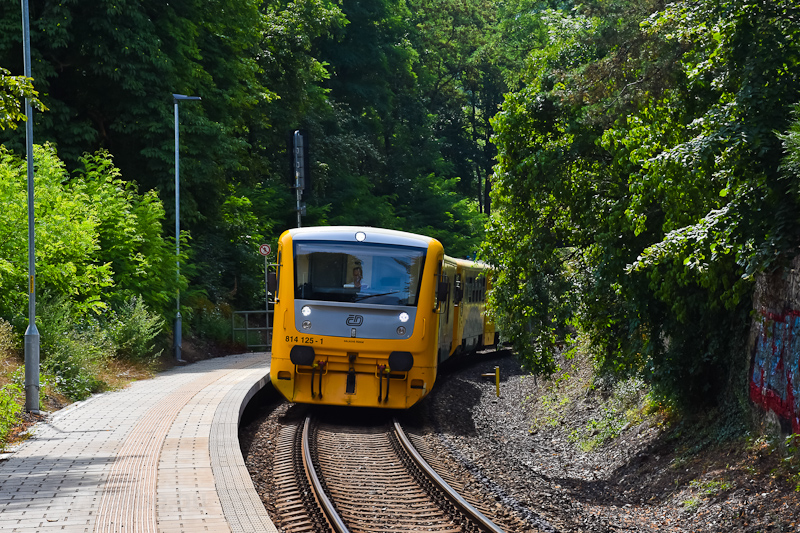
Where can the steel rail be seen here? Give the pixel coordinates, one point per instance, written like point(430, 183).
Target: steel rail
point(326, 504)
point(455, 497)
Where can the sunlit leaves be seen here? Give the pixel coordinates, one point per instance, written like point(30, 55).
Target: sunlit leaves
point(13, 91)
point(97, 241)
point(655, 164)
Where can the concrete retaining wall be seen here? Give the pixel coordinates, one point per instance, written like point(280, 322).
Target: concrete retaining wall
point(774, 379)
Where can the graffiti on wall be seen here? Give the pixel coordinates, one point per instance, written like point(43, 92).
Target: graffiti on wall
point(775, 378)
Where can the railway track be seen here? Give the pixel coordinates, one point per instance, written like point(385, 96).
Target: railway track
point(362, 479)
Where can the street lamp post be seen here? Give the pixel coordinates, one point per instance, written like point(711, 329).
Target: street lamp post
point(178, 334)
point(31, 334)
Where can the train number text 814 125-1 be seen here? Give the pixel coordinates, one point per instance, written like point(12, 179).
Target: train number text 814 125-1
point(303, 340)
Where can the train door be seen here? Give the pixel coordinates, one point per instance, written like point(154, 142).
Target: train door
point(458, 308)
point(446, 311)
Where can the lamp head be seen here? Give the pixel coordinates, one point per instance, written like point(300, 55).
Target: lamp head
point(178, 97)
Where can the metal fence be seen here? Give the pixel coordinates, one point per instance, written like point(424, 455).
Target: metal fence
point(254, 326)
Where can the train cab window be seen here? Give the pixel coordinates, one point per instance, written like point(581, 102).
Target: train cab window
point(368, 273)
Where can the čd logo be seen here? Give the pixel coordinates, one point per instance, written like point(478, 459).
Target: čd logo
point(355, 320)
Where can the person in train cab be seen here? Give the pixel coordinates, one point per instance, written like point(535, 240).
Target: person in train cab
point(358, 275)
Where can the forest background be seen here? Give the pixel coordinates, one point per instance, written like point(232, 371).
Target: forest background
point(628, 166)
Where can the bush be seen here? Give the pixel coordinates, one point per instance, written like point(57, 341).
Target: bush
point(73, 352)
point(98, 240)
point(209, 321)
point(74, 369)
point(9, 342)
point(133, 330)
point(9, 408)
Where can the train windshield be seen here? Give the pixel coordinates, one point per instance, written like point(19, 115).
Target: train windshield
point(367, 273)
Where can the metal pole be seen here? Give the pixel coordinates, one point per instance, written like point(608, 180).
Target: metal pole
point(298, 207)
point(299, 173)
point(31, 334)
point(178, 319)
point(266, 289)
point(178, 333)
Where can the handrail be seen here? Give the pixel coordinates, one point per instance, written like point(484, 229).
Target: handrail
point(247, 328)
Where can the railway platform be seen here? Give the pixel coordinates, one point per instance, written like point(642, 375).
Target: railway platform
point(161, 455)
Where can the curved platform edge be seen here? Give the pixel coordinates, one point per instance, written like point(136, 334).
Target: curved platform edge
point(241, 504)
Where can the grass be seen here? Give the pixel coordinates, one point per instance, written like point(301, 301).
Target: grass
point(709, 488)
point(691, 505)
point(627, 404)
point(623, 403)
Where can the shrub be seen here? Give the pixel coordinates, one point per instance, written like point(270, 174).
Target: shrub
point(213, 326)
point(72, 351)
point(74, 373)
point(209, 321)
point(9, 408)
point(98, 240)
point(133, 330)
point(9, 342)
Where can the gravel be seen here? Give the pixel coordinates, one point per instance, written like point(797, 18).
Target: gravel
point(520, 450)
point(648, 478)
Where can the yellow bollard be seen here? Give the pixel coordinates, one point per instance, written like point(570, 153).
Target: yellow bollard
point(496, 376)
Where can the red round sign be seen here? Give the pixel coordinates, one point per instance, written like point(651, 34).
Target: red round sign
point(264, 249)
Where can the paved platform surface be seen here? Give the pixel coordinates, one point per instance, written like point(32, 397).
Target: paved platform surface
point(160, 455)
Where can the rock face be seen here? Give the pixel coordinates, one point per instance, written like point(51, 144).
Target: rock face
point(774, 379)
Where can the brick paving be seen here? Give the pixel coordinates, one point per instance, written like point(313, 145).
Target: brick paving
point(159, 456)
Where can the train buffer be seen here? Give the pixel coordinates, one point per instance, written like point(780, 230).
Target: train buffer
point(161, 455)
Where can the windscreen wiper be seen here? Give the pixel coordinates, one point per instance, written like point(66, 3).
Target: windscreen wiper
point(364, 297)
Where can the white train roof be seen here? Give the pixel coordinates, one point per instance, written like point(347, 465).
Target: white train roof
point(354, 234)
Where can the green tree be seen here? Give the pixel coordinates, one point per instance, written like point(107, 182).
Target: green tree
point(638, 185)
point(107, 71)
point(98, 242)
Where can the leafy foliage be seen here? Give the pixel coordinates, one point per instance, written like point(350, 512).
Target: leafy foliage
point(396, 96)
point(97, 241)
point(9, 408)
point(13, 91)
point(639, 186)
point(133, 330)
point(72, 351)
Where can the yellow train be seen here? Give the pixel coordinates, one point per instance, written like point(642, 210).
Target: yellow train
point(363, 316)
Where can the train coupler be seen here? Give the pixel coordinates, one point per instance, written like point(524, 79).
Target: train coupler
point(318, 365)
point(383, 369)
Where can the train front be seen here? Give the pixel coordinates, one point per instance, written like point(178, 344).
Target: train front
point(355, 321)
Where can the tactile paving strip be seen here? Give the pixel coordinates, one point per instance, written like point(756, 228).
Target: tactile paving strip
point(129, 498)
point(138, 459)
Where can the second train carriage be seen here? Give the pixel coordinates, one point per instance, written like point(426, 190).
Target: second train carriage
point(363, 316)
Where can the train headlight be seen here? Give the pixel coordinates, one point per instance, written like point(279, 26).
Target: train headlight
point(306, 324)
point(401, 330)
point(306, 310)
point(403, 317)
